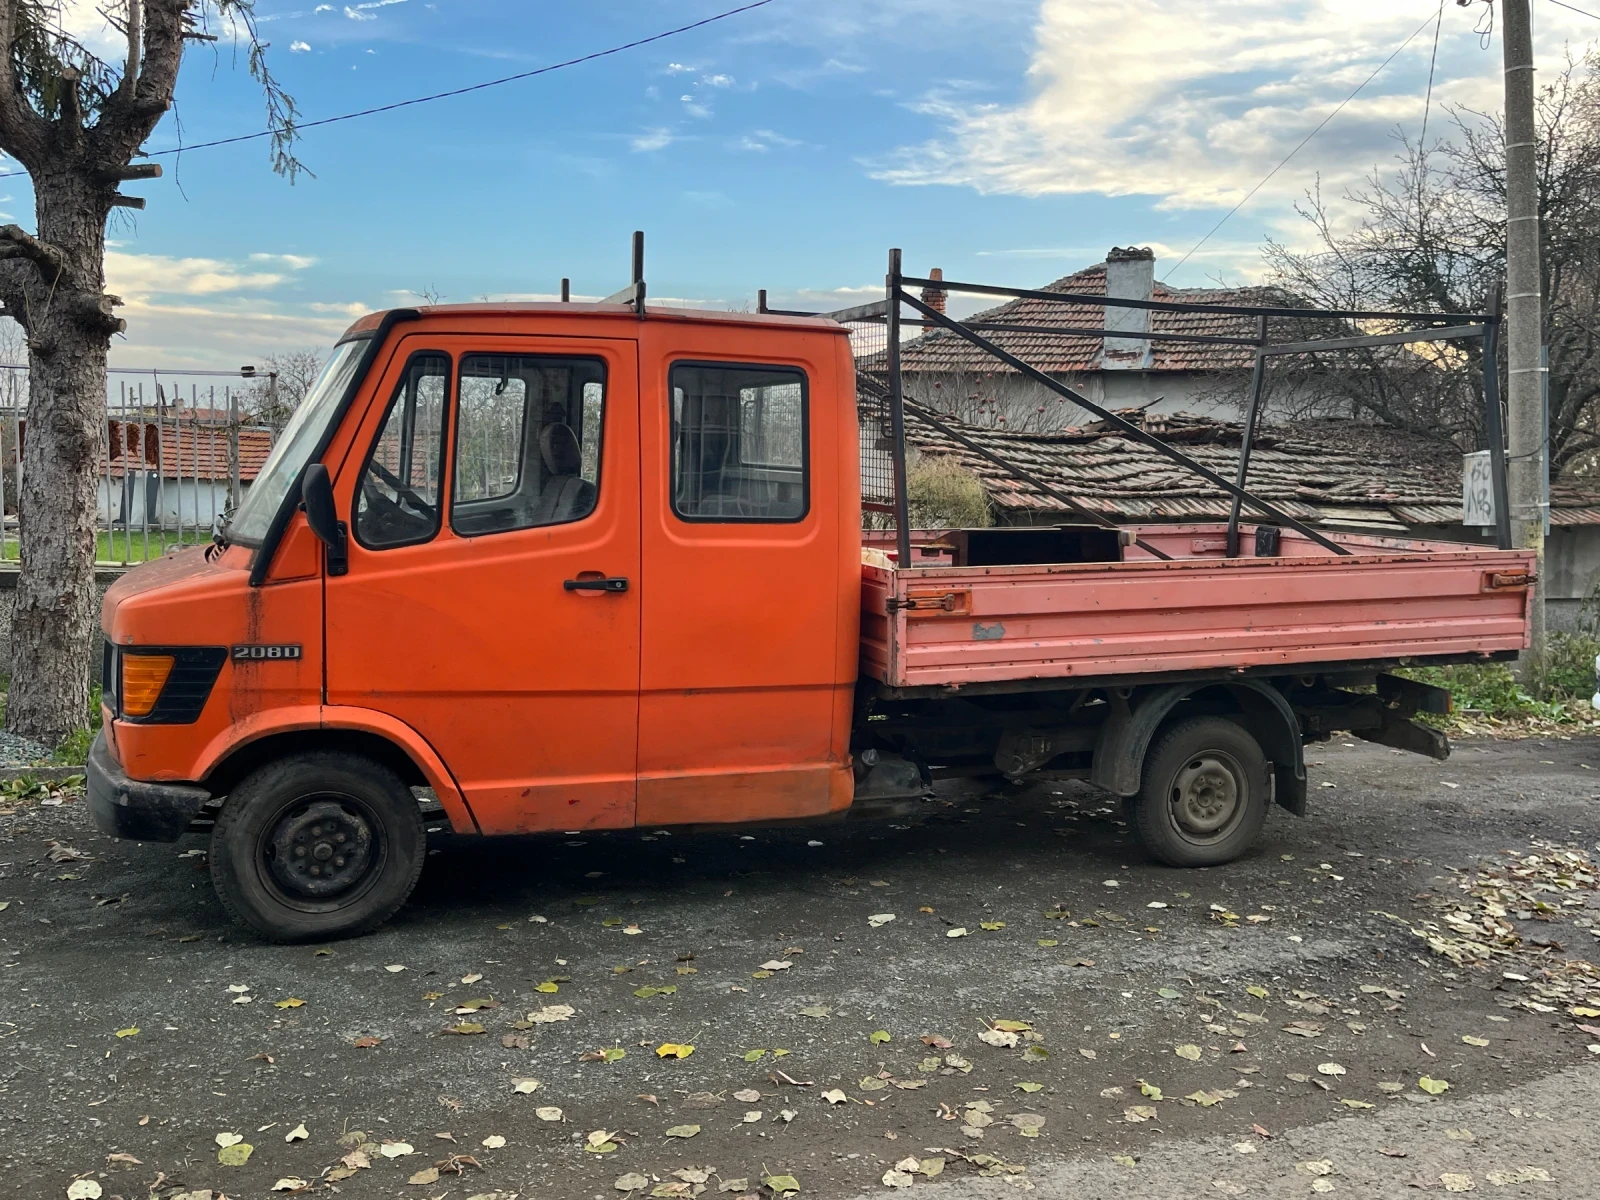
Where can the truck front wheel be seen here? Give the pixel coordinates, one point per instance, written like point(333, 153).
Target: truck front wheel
point(1204, 795)
point(317, 845)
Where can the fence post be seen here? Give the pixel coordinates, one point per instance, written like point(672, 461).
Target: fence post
point(234, 486)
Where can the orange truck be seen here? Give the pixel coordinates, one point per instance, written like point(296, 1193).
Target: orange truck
point(523, 568)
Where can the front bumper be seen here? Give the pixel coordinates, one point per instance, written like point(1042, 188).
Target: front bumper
point(131, 808)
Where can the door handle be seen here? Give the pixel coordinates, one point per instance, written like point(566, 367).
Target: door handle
point(596, 583)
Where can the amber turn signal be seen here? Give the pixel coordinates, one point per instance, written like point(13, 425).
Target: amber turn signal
point(143, 677)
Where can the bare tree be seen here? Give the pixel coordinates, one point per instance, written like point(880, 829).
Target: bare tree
point(76, 122)
point(1431, 237)
point(289, 375)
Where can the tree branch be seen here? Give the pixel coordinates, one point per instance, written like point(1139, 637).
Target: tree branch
point(15, 242)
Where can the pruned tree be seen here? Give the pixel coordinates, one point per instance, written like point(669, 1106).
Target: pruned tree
point(1430, 236)
point(76, 122)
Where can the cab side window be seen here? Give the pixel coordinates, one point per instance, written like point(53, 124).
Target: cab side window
point(739, 442)
point(528, 440)
point(397, 503)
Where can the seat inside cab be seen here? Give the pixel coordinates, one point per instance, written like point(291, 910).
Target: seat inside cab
point(527, 441)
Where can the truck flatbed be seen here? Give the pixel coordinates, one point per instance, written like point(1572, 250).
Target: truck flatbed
point(1392, 600)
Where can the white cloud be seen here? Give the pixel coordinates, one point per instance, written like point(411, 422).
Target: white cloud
point(717, 81)
point(139, 275)
point(764, 139)
point(1133, 99)
point(221, 335)
point(356, 14)
point(653, 139)
point(322, 8)
point(298, 47)
point(678, 69)
point(295, 262)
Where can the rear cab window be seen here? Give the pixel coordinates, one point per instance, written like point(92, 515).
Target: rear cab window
point(739, 442)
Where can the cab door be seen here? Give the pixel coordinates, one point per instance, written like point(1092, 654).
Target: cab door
point(492, 596)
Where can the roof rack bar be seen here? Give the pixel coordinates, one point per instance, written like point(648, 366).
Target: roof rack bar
point(634, 293)
point(1376, 339)
point(1105, 414)
point(1238, 310)
point(926, 416)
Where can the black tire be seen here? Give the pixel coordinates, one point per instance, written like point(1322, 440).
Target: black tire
point(318, 845)
point(1204, 795)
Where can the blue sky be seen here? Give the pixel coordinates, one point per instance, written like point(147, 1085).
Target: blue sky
point(786, 148)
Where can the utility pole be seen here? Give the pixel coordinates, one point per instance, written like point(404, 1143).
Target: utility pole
point(1524, 317)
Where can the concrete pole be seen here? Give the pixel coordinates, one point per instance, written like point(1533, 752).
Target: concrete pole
point(1524, 318)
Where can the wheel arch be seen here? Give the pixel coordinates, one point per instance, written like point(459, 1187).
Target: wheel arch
point(1260, 708)
point(409, 757)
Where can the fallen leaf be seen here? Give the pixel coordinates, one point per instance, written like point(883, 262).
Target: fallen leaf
point(552, 1012)
point(958, 931)
point(465, 1028)
point(549, 1112)
point(83, 1189)
point(673, 1050)
point(1256, 990)
point(1191, 1052)
point(1030, 1088)
point(1433, 1087)
point(396, 1149)
point(1474, 1041)
point(290, 1183)
point(1330, 1068)
point(893, 1178)
point(991, 926)
point(493, 1142)
point(878, 1037)
point(395, 968)
point(937, 1041)
point(290, 1002)
point(130, 1031)
point(998, 1037)
point(880, 919)
point(235, 1155)
point(781, 1184)
point(366, 1043)
point(776, 964)
point(298, 1134)
point(1456, 1182)
point(425, 1176)
point(524, 1087)
point(1138, 1113)
point(834, 1096)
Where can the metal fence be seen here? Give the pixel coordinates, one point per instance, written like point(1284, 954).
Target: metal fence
point(176, 457)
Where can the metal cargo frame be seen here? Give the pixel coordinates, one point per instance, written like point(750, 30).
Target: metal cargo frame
point(882, 404)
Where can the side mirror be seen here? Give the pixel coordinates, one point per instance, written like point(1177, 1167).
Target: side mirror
point(316, 497)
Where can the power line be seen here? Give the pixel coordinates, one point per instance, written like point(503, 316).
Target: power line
point(1427, 104)
point(1579, 11)
point(461, 91)
point(1285, 161)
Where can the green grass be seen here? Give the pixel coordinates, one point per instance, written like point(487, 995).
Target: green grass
point(74, 748)
point(1568, 675)
point(119, 546)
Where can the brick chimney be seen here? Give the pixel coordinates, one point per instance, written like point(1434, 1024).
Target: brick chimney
point(1130, 275)
point(934, 298)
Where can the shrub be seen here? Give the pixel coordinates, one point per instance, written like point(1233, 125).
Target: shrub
point(943, 494)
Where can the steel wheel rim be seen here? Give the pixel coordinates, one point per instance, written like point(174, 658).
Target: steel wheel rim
point(321, 852)
point(1207, 797)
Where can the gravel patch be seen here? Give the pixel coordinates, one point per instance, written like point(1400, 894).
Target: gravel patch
point(17, 751)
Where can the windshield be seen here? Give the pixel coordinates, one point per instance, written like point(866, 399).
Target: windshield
point(296, 445)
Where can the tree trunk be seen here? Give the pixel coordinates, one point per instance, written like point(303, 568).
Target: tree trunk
point(56, 615)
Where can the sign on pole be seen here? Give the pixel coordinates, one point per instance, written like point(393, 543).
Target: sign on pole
point(1477, 489)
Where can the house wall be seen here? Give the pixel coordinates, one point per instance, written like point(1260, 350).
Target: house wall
point(1199, 393)
point(193, 504)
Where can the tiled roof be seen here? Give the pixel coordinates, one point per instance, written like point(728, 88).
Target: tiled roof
point(941, 352)
point(185, 451)
point(1341, 471)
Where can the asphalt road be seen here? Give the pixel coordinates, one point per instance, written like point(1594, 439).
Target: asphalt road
point(1128, 977)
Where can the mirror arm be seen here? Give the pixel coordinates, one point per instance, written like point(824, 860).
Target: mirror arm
point(316, 501)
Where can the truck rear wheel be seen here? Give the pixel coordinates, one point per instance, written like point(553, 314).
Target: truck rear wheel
point(318, 845)
point(1204, 795)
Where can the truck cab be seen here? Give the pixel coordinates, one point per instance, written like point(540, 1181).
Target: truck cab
point(561, 566)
